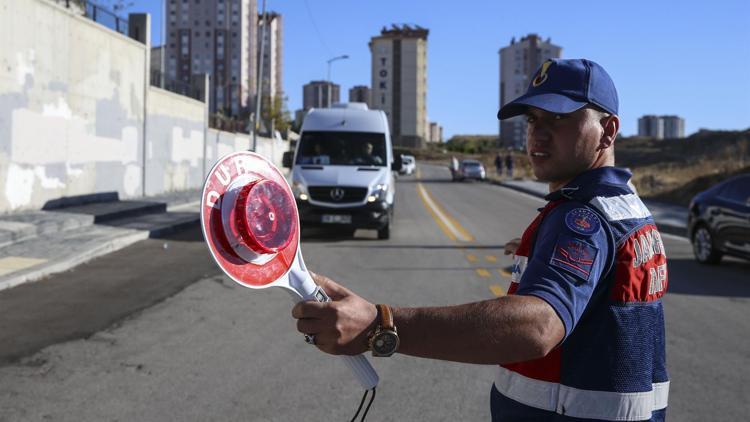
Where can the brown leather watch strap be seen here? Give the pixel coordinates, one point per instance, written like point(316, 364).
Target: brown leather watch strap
point(386, 316)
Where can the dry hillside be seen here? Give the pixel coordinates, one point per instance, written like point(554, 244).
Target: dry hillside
point(674, 170)
point(669, 170)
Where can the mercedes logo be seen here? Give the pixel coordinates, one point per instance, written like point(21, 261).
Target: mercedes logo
point(337, 194)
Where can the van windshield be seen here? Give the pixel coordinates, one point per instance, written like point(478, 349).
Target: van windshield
point(342, 148)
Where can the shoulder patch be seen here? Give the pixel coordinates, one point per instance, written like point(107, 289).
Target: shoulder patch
point(582, 221)
point(575, 256)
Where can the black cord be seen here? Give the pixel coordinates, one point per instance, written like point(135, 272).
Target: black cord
point(360, 406)
point(367, 409)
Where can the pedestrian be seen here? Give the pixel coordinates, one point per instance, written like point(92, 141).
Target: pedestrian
point(499, 165)
point(581, 333)
point(509, 164)
point(454, 168)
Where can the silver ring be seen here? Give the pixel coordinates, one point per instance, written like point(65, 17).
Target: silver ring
point(310, 339)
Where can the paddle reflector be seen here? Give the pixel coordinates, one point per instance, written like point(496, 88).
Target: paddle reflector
point(251, 226)
point(265, 216)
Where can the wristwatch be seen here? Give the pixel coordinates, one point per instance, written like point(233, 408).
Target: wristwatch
point(384, 340)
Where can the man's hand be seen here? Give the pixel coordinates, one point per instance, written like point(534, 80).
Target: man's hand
point(340, 326)
point(512, 246)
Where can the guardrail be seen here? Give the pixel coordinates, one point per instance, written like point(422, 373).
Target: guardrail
point(97, 13)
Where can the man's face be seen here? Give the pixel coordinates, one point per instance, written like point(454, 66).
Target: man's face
point(368, 149)
point(561, 146)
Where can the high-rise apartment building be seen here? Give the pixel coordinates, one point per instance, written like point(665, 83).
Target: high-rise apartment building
point(436, 133)
point(273, 49)
point(661, 127)
point(220, 38)
point(320, 94)
point(399, 82)
point(518, 63)
point(359, 94)
point(651, 126)
point(674, 127)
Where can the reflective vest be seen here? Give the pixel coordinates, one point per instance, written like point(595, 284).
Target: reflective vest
point(595, 254)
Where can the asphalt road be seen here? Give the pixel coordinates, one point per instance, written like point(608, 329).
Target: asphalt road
point(194, 346)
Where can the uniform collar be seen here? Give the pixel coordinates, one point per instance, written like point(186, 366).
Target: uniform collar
point(584, 185)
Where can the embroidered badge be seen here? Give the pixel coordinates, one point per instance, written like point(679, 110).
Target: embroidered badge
point(574, 256)
point(542, 76)
point(582, 221)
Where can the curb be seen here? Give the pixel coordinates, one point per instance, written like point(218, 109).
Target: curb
point(115, 244)
point(516, 188)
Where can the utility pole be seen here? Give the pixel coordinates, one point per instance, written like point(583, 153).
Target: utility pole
point(163, 55)
point(259, 85)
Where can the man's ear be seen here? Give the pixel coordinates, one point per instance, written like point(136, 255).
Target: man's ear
point(611, 126)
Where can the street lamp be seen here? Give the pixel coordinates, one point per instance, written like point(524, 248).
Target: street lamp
point(331, 60)
point(259, 84)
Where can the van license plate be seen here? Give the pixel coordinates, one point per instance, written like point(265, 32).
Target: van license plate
point(337, 219)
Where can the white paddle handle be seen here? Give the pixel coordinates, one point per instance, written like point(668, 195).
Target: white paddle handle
point(358, 364)
point(302, 283)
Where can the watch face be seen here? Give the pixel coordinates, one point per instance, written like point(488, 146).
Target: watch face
point(385, 343)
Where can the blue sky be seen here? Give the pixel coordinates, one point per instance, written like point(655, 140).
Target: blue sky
point(690, 58)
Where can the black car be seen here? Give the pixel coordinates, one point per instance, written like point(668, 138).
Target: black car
point(719, 221)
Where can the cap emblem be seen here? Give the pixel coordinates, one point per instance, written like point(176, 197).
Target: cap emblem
point(542, 76)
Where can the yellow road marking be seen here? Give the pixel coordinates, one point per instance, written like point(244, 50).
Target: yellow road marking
point(16, 263)
point(465, 233)
point(497, 290)
point(483, 273)
point(503, 272)
point(471, 258)
point(491, 258)
point(447, 224)
point(448, 232)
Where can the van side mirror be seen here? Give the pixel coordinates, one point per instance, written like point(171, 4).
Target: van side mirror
point(397, 163)
point(287, 158)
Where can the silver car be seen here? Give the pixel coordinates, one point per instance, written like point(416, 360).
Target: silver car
point(471, 169)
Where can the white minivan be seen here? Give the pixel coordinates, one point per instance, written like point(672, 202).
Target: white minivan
point(342, 169)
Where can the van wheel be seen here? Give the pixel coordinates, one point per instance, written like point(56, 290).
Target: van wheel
point(385, 232)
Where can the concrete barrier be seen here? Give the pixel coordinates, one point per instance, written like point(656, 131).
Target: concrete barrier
point(78, 115)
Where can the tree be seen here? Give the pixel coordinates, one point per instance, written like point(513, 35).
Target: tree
point(275, 114)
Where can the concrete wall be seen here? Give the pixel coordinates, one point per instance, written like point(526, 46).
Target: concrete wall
point(175, 138)
point(74, 105)
point(71, 106)
point(220, 144)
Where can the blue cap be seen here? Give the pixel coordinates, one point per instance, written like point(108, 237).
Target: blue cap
point(564, 86)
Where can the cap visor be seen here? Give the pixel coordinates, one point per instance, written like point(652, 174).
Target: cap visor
point(553, 103)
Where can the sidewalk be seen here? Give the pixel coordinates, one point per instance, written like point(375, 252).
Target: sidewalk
point(669, 218)
point(71, 231)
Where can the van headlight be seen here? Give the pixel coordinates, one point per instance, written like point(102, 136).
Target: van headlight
point(300, 191)
point(378, 193)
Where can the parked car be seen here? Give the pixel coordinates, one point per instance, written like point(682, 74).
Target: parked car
point(408, 164)
point(719, 221)
point(471, 169)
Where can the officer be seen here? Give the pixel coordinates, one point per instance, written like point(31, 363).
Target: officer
point(580, 335)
